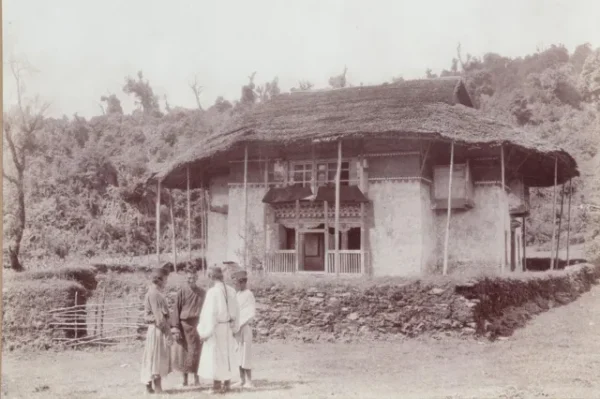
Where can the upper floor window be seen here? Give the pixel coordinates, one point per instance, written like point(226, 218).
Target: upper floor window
point(326, 173)
point(301, 173)
point(321, 174)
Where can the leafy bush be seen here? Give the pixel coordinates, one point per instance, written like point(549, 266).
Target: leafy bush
point(26, 305)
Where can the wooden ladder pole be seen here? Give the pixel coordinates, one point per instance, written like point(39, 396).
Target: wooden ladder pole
point(554, 214)
point(158, 223)
point(189, 215)
point(569, 223)
point(173, 243)
point(337, 208)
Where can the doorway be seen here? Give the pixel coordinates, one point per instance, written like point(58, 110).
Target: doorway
point(313, 252)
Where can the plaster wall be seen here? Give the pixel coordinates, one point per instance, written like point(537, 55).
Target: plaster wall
point(217, 222)
point(395, 228)
point(429, 238)
point(479, 237)
point(235, 223)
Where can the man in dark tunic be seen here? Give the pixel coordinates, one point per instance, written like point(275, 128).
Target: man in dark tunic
point(186, 350)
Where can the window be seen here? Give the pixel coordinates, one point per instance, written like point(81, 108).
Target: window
point(277, 172)
point(301, 173)
point(326, 173)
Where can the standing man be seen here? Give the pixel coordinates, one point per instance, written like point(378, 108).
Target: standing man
point(247, 305)
point(156, 362)
point(185, 354)
point(219, 321)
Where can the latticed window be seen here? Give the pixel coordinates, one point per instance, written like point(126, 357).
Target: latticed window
point(301, 173)
point(326, 173)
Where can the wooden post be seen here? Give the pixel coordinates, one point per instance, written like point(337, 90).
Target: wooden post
point(158, 223)
point(297, 235)
point(524, 246)
point(76, 317)
point(102, 312)
point(569, 223)
point(205, 216)
point(265, 217)
point(503, 176)
point(445, 266)
point(554, 214)
point(562, 200)
point(173, 244)
point(246, 207)
point(189, 215)
point(362, 238)
point(326, 225)
point(337, 208)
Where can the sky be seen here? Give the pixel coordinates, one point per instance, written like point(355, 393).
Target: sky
point(82, 49)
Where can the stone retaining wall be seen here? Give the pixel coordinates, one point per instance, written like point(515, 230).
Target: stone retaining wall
point(487, 306)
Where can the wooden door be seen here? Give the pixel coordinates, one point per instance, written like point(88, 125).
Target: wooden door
point(314, 251)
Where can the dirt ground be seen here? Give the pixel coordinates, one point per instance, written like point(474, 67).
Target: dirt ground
point(556, 356)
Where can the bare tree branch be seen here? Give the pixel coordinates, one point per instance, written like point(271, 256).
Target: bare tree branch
point(10, 178)
point(11, 145)
point(196, 89)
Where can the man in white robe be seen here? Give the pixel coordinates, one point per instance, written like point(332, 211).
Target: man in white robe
point(219, 321)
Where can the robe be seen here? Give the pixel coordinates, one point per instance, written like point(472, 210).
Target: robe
point(156, 360)
point(185, 354)
point(219, 321)
point(247, 305)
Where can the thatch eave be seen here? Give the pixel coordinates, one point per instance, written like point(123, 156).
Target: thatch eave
point(416, 110)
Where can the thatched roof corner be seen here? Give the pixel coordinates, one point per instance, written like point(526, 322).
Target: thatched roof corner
point(438, 109)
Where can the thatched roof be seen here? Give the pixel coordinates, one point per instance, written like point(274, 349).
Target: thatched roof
point(439, 109)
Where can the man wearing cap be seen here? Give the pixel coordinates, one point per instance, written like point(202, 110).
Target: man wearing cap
point(219, 321)
point(247, 305)
point(156, 362)
point(185, 354)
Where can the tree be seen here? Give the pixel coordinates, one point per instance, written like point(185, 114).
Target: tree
point(196, 89)
point(20, 129)
point(142, 90)
point(429, 74)
point(222, 105)
point(113, 105)
point(268, 90)
point(248, 93)
point(339, 82)
point(590, 76)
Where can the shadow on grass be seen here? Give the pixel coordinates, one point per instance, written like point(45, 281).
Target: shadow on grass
point(259, 386)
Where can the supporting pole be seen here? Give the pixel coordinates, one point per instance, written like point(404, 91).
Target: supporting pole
point(206, 207)
point(524, 245)
point(503, 173)
point(173, 245)
point(158, 223)
point(569, 223)
point(554, 214)
point(362, 238)
point(562, 201)
point(297, 235)
point(189, 215)
point(246, 206)
point(326, 225)
point(265, 216)
point(337, 208)
point(445, 266)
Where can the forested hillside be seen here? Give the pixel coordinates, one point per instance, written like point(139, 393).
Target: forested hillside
point(79, 180)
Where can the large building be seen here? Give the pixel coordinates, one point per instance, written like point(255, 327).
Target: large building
point(271, 178)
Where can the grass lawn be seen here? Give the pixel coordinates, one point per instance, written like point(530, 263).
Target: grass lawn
point(556, 356)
